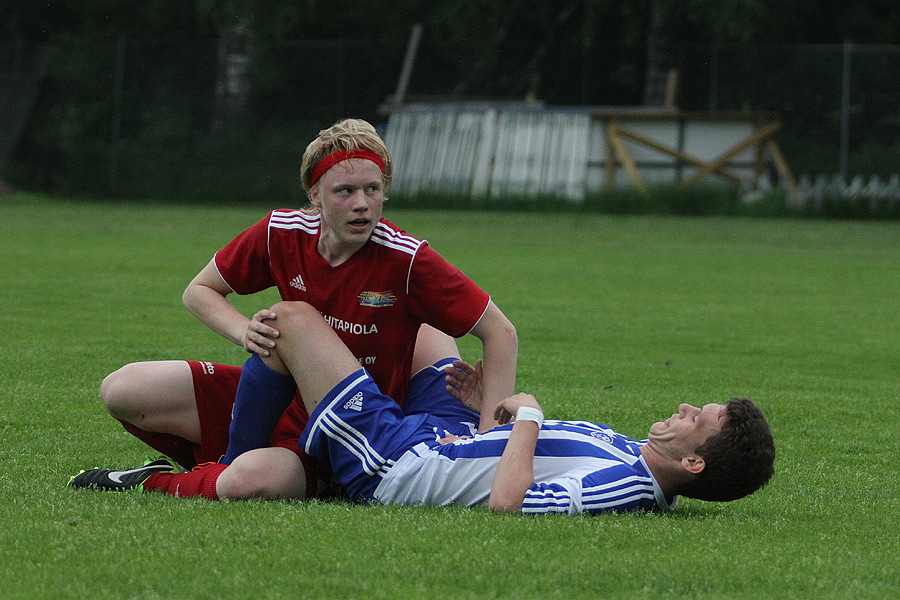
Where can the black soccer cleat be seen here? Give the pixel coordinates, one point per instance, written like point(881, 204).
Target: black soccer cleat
point(110, 480)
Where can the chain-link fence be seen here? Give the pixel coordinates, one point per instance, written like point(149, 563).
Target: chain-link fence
point(190, 120)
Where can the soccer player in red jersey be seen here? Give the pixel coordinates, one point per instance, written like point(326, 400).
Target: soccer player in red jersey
point(375, 285)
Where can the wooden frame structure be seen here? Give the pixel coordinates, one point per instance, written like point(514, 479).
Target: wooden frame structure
point(619, 127)
point(519, 151)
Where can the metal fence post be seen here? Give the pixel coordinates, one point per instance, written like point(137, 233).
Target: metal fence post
point(116, 129)
point(845, 109)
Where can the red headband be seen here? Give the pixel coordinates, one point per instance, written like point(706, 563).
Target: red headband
point(340, 156)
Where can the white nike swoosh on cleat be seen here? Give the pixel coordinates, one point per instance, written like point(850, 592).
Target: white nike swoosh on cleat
point(116, 476)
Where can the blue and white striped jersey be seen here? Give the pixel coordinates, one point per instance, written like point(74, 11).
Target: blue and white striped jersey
point(378, 452)
point(579, 467)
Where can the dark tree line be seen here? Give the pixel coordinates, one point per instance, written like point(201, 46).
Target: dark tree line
point(477, 21)
point(153, 87)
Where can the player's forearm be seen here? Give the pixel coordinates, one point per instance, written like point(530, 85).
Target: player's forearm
point(501, 347)
point(515, 473)
point(499, 383)
point(215, 311)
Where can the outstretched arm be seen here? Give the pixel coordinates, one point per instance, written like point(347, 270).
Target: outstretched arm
point(500, 351)
point(515, 473)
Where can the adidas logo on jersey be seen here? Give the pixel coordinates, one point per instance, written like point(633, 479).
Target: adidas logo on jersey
point(354, 403)
point(297, 282)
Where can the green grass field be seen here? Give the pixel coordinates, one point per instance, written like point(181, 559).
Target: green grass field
point(619, 320)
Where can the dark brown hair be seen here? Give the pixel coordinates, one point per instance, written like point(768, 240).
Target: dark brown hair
point(740, 459)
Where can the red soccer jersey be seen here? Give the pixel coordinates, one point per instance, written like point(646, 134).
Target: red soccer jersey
point(375, 301)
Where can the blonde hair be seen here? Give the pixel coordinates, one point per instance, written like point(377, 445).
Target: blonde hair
point(348, 134)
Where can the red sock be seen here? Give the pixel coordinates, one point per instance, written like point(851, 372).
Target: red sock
point(177, 448)
point(199, 482)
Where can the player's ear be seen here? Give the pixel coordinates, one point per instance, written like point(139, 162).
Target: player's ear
point(693, 464)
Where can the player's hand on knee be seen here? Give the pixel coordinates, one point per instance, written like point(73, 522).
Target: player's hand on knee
point(260, 335)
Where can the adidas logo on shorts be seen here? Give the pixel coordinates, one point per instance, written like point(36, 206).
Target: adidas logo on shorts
point(354, 403)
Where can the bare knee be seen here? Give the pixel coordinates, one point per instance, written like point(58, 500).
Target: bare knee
point(294, 317)
point(272, 473)
point(294, 310)
point(155, 395)
point(116, 391)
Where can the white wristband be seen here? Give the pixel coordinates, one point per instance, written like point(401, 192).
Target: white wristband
point(527, 413)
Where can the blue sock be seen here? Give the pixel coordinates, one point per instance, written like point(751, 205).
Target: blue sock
point(262, 396)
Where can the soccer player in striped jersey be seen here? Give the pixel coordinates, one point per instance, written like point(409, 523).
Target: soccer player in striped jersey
point(417, 455)
point(718, 452)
